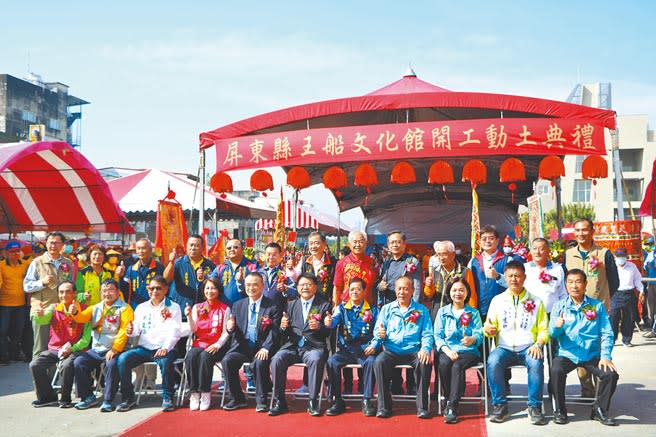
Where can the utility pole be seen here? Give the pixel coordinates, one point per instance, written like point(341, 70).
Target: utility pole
point(617, 169)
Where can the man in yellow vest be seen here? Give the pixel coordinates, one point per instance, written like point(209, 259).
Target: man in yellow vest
point(41, 281)
point(598, 264)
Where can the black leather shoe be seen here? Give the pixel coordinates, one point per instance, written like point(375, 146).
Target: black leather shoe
point(261, 408)
point(536, 416)
point(367, 408)
point(600, 415)
point(337, 408)
point(313, 408)
point(234, 405)
point(560, 417)
point(423, 414)
point(384, 414)
point(499, 413)
point(279, 408)
point(450, 415)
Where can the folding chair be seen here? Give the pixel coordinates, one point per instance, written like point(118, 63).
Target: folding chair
point(481, 370)
point(352, 396)
point(573, 399)
point(139, 387)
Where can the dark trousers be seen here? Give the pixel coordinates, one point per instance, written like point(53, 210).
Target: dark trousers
point(384, 369)
point(561, 366)
point(12, 320)
point(232, 362)
point(314, 359)
point(134, 357)
point(622, 308)
point(28, 334)
point(341, 358)
point(452, 374)
point(42, 383)
point(89, 362)
point(651, 304)
point(200, 368)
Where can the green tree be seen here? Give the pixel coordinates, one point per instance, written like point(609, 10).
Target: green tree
point(569, 213)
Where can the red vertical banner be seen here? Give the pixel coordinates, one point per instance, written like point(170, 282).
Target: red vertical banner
point(171, 228)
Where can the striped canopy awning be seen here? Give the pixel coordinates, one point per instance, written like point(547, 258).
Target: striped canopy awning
point(304, 219)
point(49, 186)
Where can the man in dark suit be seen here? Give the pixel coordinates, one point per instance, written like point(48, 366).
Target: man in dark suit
point(254, 336)
point(303, 337)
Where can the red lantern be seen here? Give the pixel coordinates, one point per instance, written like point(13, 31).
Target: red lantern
point(512, 170)
point(365, 176)
point(298, 178)
point(334, 178)
point(551, 168)
point(403, 174)
point(221, 182)
point(594, 167)
point(441, 172)
point(475, 172)
point(261, 180)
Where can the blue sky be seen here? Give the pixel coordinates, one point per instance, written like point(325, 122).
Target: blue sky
point(157, 73)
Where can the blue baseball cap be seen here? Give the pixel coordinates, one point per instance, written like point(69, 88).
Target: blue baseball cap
point(620, 251)
point(12, 244)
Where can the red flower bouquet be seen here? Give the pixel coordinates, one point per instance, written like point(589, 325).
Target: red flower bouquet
point(411, 265)
point(367, 316)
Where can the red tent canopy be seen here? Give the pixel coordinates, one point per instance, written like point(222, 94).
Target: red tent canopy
point(48, 186)
point(414, 121)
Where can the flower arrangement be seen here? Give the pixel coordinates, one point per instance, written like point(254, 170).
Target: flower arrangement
point(413, 317)
point(65, 267)
point(367, 316)
point(314, 315)
point(322, 274)
point(465, 320)
point(529, 305)
point(411, 265)
point(203, 311)
point(545, 277)
point(589, 312)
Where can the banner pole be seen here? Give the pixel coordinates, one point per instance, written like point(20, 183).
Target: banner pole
point(201, 213)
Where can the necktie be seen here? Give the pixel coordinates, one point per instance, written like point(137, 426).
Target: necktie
point(252, 326)
point(306, 310)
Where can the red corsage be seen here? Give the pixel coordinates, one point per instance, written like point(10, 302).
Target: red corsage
point(589, 312)
point(266, 322)
point(64, 267)
point(545, 277)
point(367, 316)
point(411, 265)
point(203, 312)
point(529, 305)
point(465, 319)
point(413, 317)
point(322, 274)
point(166, 314)
point(593, 263)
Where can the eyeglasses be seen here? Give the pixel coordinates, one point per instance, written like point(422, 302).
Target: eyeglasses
point(156, 288)
point(358, 242)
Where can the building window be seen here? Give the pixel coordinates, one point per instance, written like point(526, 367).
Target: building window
point(579, 163)
point(54, 124)
point(629, 214)
point(631, 159)
point(581, 190)
point(634, 189)
point(29, 116)
point(542, 187)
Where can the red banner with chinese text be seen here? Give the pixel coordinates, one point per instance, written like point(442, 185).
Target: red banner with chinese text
point(503, 136)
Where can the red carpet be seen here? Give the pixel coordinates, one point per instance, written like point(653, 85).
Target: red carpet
point(247, 422)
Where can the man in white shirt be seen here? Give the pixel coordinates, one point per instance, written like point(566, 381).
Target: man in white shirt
point(623, 302)
point(544, 278)
point(157, 323)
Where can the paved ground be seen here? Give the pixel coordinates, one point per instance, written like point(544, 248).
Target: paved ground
point(634, 405)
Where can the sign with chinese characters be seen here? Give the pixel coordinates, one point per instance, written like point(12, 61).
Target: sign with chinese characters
point(459, 138)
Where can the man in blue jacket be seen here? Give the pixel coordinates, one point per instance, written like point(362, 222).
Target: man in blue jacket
point(582, 328)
